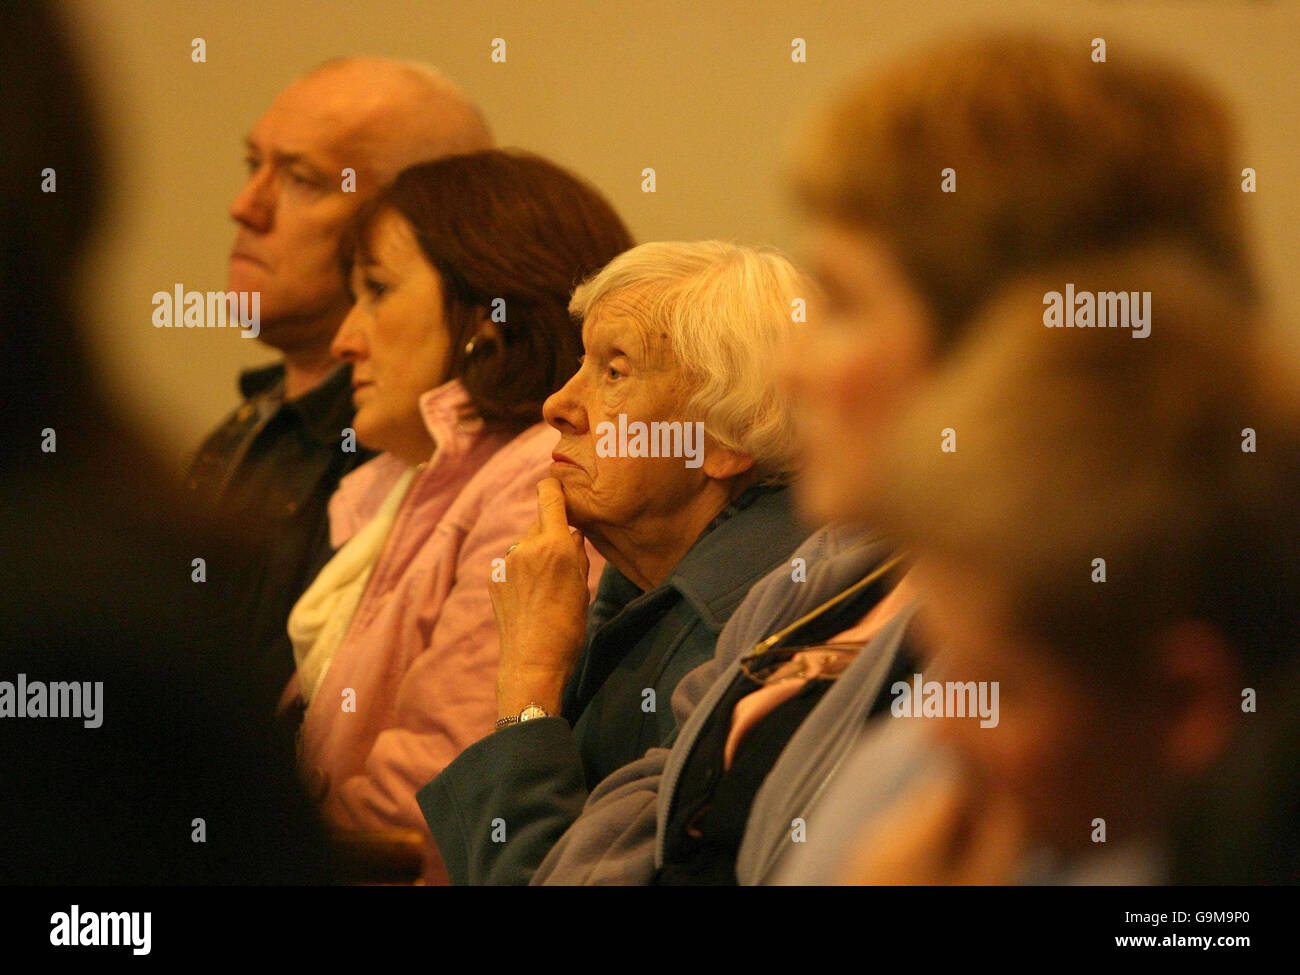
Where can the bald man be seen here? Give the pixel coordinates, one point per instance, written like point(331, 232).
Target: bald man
point(276, 460)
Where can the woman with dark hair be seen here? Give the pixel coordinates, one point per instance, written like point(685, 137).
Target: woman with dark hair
point(461, 271)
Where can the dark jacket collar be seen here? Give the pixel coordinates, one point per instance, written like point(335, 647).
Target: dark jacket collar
point(323, 412)
point(255, 382)
point(718, 570)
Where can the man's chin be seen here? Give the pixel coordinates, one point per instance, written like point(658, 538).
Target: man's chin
point(242, 275)
point(274, 328)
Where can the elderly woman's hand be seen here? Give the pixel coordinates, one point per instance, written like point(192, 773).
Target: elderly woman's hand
point(541, 608)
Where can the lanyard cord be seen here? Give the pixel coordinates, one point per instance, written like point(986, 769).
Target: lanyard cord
point(875, 575)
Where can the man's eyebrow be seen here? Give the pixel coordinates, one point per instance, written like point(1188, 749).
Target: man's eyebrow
point(284, 158)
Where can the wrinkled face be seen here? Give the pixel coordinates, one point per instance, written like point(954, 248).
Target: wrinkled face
point(292, 210)
point(396, 338)
point(1065, 754)
point(624, 372)
point(864, 350)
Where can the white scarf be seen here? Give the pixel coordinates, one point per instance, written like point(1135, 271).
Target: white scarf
point(321, 617)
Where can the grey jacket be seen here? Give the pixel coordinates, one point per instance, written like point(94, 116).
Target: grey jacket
point(619, 837)
point(897, 755)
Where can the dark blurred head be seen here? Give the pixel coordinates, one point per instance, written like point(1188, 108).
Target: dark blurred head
point(90, 543)
point(1051, 156)
point(49, 134)
point(1099, 542)
point(462, 269)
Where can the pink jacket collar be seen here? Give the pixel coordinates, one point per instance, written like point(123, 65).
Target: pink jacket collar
point(361, 492)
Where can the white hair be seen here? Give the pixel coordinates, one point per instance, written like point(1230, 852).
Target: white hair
point(727, 312)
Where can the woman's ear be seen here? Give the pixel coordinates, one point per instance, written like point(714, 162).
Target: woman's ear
point(485, 335)
point(487, 327)
point(721, 464)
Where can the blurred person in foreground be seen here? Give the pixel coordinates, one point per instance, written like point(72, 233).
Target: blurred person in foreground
point(125, 745)
point(1139, 624)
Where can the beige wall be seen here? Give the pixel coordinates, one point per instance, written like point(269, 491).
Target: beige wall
point(703, 91)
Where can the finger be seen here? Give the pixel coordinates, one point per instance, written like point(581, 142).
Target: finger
point(551, 513)
point(581, 543)
point(496, 594)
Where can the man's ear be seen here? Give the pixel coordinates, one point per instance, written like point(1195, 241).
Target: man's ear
point(1201, 683)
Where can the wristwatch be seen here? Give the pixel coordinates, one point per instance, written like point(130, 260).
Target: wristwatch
point(527, 714)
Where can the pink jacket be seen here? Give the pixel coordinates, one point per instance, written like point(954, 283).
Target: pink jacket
point(421, 651)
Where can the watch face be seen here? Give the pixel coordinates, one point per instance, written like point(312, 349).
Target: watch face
point(532, 711)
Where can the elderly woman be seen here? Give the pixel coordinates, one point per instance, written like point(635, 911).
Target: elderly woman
point(809, 658)
point(461, 271)
point(675, 446)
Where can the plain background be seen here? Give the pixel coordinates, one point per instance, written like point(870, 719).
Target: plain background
point(705, 92)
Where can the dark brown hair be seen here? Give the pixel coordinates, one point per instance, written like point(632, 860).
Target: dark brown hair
point(1054, 156)
point(503, 225)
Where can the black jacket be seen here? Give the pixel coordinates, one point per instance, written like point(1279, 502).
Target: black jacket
point(272, 467)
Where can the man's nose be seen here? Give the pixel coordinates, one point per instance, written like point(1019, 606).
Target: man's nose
point(254, 205)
